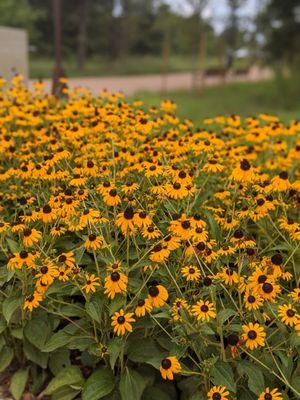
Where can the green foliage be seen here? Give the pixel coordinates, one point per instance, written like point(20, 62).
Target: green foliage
point(17, 383)
point(99, 384)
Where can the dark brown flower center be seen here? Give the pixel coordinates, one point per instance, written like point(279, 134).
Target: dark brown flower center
point(153, 291)
point(23, 254)
point(290, 313)
point(47, 209)
point(251, 299)
point(204, 308)
point(121, 320)
point(245, 165)
point(166, 363)
point(115, 276)
point(252, 335)
point(267, 287)
point(129, 213)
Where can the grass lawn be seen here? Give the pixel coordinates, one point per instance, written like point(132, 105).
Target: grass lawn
point(41, 68)
point(279, 97)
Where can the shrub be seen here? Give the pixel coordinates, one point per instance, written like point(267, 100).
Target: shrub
point(144, 257)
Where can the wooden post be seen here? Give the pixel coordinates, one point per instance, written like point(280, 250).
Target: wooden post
point(58, 73)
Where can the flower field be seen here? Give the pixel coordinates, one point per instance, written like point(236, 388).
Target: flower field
point(144, 257)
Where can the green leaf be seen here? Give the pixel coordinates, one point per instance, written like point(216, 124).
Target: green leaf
point(59, 360)
point(145, 350)
point(93, 309)
point(222, 375)
point(18, 383)
point(256, 381)
point(6, 356)
point(224, 315)
point(37, 332)
point(2, 342)
point(35, 355)
point(132, 385)
point(56, 341)
point(114, 346)
point(65, 393)
point(13, 245)
point(296, 383)
point(155, 392)
point(98, 385)
point(66, 377)
point(2, 324)
point(9, 306)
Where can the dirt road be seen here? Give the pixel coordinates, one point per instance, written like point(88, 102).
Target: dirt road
point(156, 82)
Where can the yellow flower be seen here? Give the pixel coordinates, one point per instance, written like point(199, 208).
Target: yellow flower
point(191, 273)
point(218, 393)
point(157, 295)
point(204, 310)
point(93, 242)
point(32, 301)
point(254, 335)
point(143, 306)
point(92, 283)
point(122, 322)
point(31, 236)
point(288, 314)
point(115, 283)
point(169, 366)
point(269, 394)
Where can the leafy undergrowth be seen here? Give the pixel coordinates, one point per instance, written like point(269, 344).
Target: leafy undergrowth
point(143, 257)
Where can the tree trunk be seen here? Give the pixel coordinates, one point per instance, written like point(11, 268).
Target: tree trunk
point(82, 34)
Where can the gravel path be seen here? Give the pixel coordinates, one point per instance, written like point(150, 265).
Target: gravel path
point(156, 82)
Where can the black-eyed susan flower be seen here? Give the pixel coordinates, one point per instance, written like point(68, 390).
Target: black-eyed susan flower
point(93, 242)
point(254, 335)
point(191, 273)
point(157, 295)
point(295, 295)
point(47, 273)
point(115, 283)
point(204, 310)
point(159, 253)
point(111, 198)
point(31, 236)
point(151, 233)
point(125, 221)
point(169, 366)
point(91, 283)
point(253, 300)
point(32, 301)
point(270, 394)
point(143, 306)
point(218, 393)
point(179, 306)
point(21, 259)
point(121, 322)
point(288, 314)
point(244, 172)
point(47, 214)
point(67, 259)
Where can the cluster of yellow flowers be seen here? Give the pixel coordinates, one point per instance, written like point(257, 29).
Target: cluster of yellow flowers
point(185, 235)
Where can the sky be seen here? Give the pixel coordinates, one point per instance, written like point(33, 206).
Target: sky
point(217, 10)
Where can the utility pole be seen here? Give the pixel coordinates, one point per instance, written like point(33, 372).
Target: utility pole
point(58, 73)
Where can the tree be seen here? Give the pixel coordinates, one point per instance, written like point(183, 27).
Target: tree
point(280, 24)
point(20, 14)
point(199, 41)
point(82, 8)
